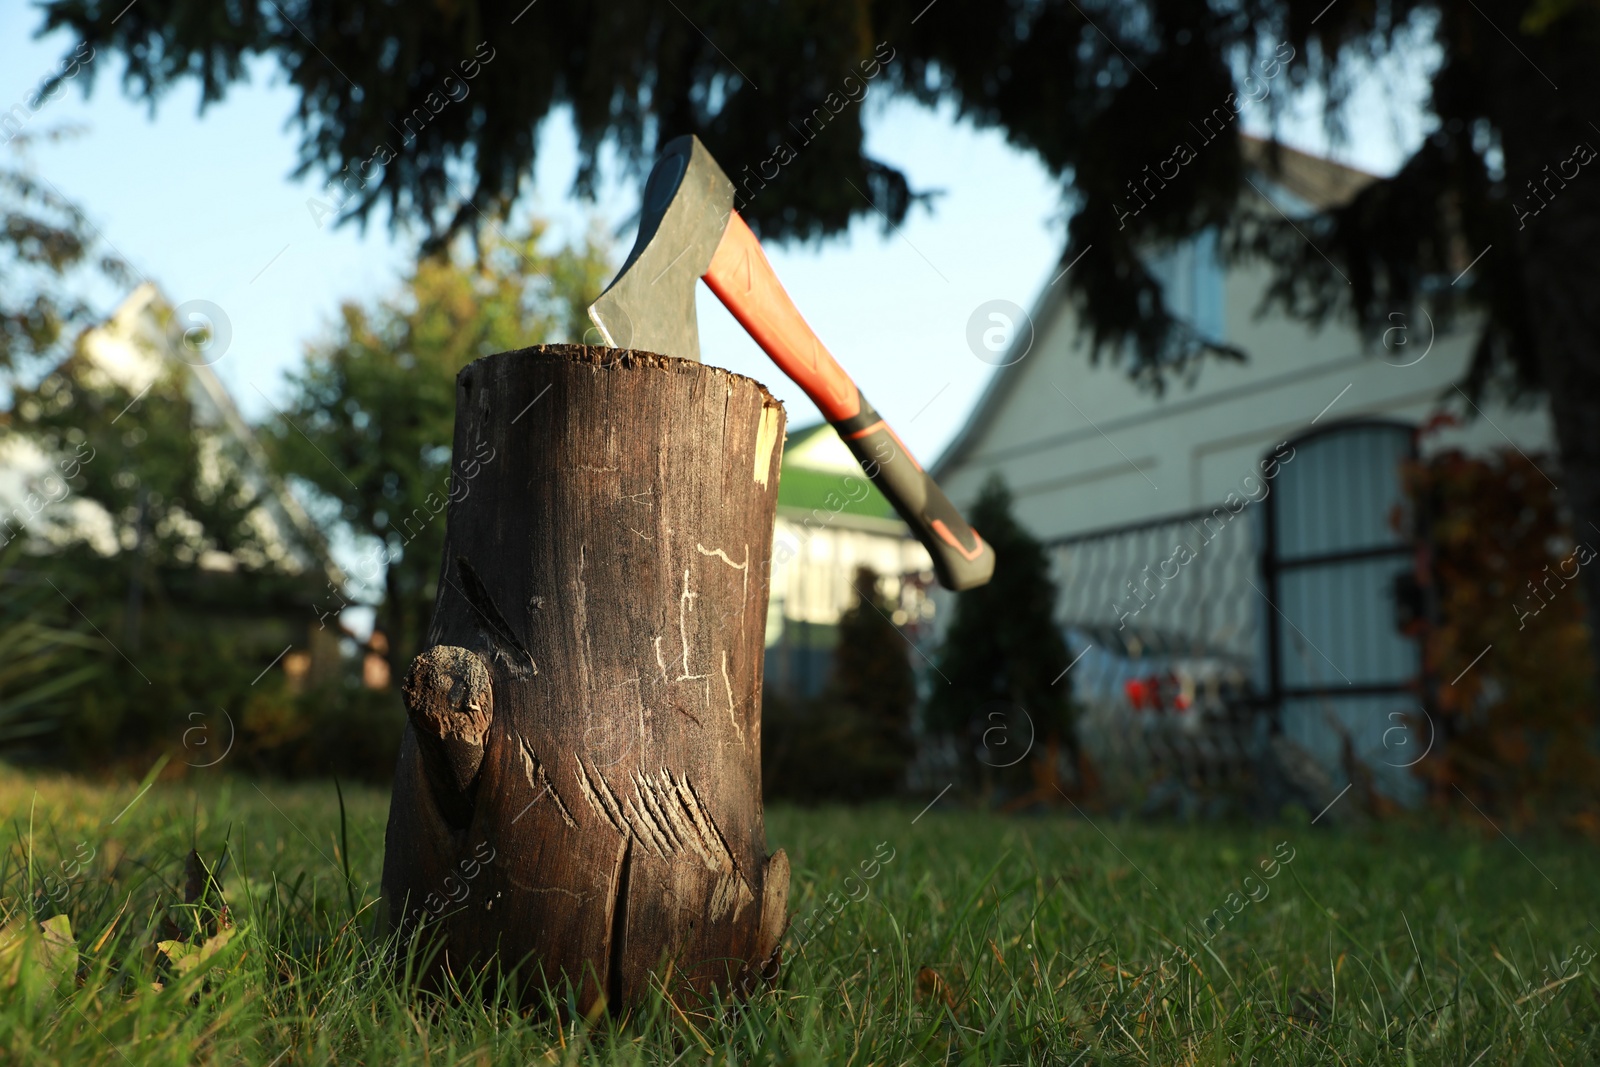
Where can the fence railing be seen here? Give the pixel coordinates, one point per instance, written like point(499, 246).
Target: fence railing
point(1168, 622)
point(1181, 584)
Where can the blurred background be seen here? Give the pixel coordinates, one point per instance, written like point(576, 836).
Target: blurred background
point(1239, 330)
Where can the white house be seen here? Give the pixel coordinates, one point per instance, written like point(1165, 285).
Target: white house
point(1239, 531)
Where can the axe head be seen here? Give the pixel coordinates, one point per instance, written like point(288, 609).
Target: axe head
point(649, 305)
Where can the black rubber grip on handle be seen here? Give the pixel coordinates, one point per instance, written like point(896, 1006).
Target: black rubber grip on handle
point(961, 559)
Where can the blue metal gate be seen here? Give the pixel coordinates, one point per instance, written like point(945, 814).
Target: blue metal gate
point(1336, 546)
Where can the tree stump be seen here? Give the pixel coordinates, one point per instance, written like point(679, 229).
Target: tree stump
point(578, 793)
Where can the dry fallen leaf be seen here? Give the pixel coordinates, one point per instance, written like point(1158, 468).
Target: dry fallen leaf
point(37, 957)
point(187, 958)
point(931, 985)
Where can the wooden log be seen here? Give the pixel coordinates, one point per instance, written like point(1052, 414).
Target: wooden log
point(579, 789)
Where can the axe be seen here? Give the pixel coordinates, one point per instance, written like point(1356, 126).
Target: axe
point(689, 229)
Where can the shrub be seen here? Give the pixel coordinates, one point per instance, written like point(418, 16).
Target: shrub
point(854, 741)
point(1003, 653)
point(1516, 733)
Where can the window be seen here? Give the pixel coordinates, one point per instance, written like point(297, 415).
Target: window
point(1191, 282)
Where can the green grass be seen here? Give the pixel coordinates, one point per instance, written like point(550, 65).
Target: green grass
point(984, 939)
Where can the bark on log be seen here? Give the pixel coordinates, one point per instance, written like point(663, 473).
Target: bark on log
point(579, 789)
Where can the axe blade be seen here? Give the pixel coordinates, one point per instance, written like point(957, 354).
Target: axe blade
point(688, 230)
point(649, 305)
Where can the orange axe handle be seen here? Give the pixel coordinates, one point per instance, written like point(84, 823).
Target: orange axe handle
point(747, 285)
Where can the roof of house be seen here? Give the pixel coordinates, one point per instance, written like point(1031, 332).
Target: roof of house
point(1313, 184)
point(820, 472)
point(1321, 183)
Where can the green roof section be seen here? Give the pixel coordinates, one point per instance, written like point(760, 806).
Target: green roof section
point(805, 490)
point(820, 473)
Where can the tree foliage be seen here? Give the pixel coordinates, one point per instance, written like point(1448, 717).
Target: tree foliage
point(872, 662)
point(143, 526)
point(425, 93)
point(47, 252)
point(873, 681)
point(48, 256)
point(169, 485)
point(39, 657)
point(998, 683)
point(852, 741)
point(1515, 732)
point(368, 427)
point(1100, 91)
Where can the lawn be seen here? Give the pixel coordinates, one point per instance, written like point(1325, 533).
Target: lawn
point(976, 938)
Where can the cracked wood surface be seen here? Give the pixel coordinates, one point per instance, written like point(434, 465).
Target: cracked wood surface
point(603, 593)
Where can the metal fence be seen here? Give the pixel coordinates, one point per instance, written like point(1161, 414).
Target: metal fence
point(1166, 621)
point(1183, 584)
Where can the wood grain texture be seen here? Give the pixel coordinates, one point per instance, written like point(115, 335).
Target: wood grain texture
point(605, 571)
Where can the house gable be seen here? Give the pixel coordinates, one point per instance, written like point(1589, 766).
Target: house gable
point(1084, 448)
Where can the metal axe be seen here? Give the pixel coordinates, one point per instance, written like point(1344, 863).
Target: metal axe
point(688, 229)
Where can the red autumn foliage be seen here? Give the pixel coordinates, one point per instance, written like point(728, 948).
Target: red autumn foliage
point(1516, 731)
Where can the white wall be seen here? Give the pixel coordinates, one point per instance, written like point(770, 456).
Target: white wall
point(813, 567)
point(1083, 448)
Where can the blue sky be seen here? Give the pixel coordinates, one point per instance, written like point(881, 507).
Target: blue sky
point(204, 207)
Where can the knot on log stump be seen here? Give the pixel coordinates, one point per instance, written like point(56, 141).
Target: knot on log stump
point(450, 700)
